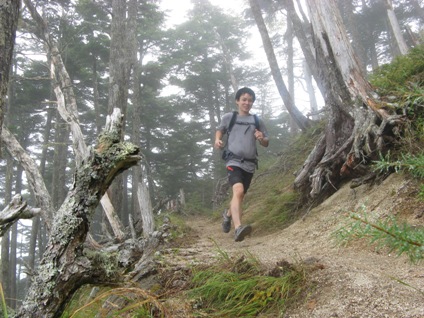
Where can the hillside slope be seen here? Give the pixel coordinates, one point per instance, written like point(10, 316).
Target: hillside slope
point(353, 281)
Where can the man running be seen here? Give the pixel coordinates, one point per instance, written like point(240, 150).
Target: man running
point(241, 156)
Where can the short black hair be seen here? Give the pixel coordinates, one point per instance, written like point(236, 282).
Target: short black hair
point(245, 90)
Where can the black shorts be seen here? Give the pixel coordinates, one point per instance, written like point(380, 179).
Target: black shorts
point(238, 175)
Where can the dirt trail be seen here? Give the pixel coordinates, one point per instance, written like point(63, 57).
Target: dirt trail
point(354, 281)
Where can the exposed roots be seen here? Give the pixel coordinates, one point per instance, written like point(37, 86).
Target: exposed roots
point(335, 158)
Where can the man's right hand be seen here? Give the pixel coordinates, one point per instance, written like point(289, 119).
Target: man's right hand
point(219, 144)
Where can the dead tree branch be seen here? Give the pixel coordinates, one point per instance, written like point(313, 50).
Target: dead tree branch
point(15, 210)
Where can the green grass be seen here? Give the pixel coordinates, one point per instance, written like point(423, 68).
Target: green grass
point(402, 77)
point(3, 303)
point(241, 288)
point(120, 302)
point(413, 164)
point(388, 233)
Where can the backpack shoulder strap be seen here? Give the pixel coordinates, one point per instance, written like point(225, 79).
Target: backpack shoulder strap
point(256, 121)
point(232, 121)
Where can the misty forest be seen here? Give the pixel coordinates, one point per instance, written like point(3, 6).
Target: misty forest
point(108, 114)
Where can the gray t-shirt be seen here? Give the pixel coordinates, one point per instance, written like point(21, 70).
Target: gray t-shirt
point(242, 141)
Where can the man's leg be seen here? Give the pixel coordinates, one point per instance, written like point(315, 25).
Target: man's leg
point(236, 204)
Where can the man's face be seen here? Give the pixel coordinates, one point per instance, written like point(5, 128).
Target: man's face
point(245, 104)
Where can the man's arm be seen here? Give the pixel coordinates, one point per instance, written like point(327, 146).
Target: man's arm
point(264, 142)
point(218, 139)
point(260, 136)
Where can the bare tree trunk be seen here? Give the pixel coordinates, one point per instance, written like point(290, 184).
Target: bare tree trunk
point(305, 40)
point(35, 179)
point(145, 209)
point(136, 108)
point(119, 66)
point(4, 261)
point(311, 92)
point(6, 241)
point(228, 61)
point(353, 133)
point(301, 121)
point(373, 57)
point(96, 103)
point(400, 41)
point(351, 21)
point(290, 69)
point(9, 14)
point(12, 266)
point(182, 197)
point(64, 267)
point(32, 213)
point(61, 138)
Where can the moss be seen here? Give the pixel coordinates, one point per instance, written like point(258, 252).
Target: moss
point(107, 261)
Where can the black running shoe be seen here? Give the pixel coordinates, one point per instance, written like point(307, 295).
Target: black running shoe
point(241, 232)
point(226, 222)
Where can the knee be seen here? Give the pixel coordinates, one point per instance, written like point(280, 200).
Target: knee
point(238, 191)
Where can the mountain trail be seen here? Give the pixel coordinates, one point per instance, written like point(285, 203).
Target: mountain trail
point(357, 280)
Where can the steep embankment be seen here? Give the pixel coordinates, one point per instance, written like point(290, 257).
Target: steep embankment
point(352, 281)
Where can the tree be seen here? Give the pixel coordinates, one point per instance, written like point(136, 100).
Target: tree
point(9, 14)
point(64, 267)
point(301, 121)
point(67, 105)
point(119, 70)
point(355, 122)
point(208, 67)
point(399, 40)
point(76, 212)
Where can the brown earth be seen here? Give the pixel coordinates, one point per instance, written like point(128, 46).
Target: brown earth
point(357, 280)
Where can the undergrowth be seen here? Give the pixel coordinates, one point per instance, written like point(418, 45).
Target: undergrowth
point(3, 303)
point(389, 233)
point(242, 287)
point(402, 78)
point(413, 164)
point(409, 163)
point(115, 302)
point(400, 87)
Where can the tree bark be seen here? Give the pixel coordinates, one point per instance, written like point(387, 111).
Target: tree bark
point(305, 40)
point(400, 41)
point(290, 70)
point(9, 15)
point(351, 21)
point(136, 99)
point(353, 135)
point(58, 177)
point(64, 267)
point(119, 66)
point(15, 210)
point(311, 92)
point(301, 121)
point(35, 179)
point(145, 209)
point(228, 61)
point(6, 237)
